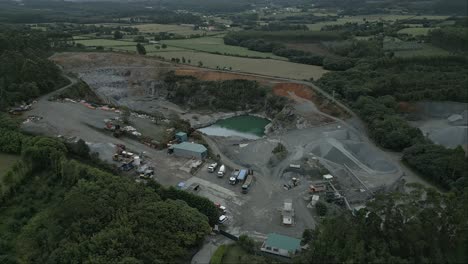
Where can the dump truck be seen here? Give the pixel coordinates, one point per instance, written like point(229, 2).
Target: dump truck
point(247, 183)
point(239, 178)
point(221, 171)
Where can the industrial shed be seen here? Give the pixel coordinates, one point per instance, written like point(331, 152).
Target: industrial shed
point(281, 245)
point(190, 150)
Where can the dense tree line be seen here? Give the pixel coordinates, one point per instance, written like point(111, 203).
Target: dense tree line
point(25, 72)
point(283, 26)
point(446, 167)
point(229, 95)
point(357, 29)
point(373, 89)
point(450, 38)
point(290, 35)
point(56, 209)
point(345, 52)
point(407, 79)
point(422, 226)
point(385, 126)
point(89, 12)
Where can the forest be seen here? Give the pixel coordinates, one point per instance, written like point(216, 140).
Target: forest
point(422, 226)
point(25, 72)
point(56, 208)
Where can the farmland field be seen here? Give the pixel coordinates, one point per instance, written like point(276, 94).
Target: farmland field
point(216, 45)
point(6, 161)
point(104, 42)
point(257, 66)
point(415, 31)
point(423, 50)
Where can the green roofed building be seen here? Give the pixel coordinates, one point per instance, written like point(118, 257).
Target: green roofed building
point(181, 136)
point(281, 245)
point(190, 150)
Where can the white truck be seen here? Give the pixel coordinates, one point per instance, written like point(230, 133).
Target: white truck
point(212, 167)
point(222, 171)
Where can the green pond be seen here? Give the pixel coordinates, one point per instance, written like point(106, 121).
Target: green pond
point(245, 126)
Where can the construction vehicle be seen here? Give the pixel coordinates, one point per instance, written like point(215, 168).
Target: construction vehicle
point(314, 188)
point(241, 175)
point(147, 174)
point(233, 178)
point(127, 165)
point(221, 171)
point(212, 167)
point(247, 183)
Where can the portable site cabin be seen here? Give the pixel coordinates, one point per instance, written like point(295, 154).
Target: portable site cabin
point(281, 245)
point(288, 212)
point(190, 150)
point(181, 137)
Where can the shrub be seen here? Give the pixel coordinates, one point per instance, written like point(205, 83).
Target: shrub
point(218, 255)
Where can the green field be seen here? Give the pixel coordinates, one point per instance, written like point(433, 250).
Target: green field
point(415, 31)
point(257, 66)
point(104, 42)
point(6, 162)
point(216, 45)
point(423, 50)
point(232, 254)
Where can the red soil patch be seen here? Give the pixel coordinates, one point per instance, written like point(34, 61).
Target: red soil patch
point(284, 89)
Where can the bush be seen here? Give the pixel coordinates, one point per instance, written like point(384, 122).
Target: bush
point(246, 243)
point(321, 208)
point(218, 255)
point(337, 64)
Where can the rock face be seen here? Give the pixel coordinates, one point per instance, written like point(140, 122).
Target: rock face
point(289, 119)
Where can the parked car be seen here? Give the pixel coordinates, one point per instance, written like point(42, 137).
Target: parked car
point(222, 219)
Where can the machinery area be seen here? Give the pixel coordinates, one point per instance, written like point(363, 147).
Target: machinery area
point(146, 137)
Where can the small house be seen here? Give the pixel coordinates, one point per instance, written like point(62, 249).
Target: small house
point(281, 245)
point(181, 136)
point(190, 150)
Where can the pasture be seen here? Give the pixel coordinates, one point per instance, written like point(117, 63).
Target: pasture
point(423, 50)
point(415, 31)
point(268, 67)
point(104, 42)
point(216, 45)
